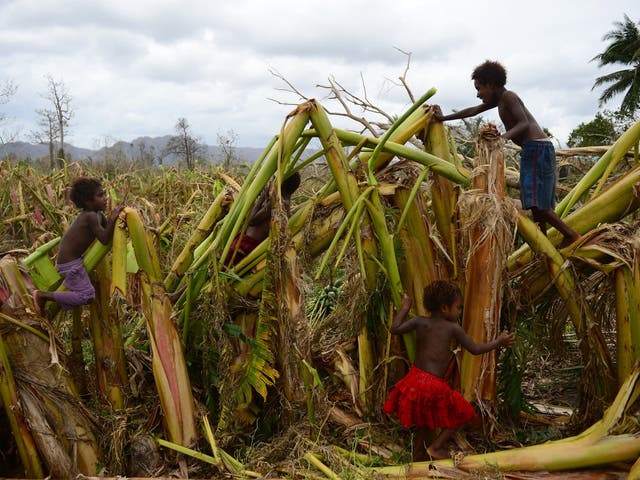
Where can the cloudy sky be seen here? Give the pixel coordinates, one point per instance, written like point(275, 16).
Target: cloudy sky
point(133, 67)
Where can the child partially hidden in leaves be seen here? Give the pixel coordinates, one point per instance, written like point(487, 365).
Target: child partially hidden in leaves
point(423, 397)
point(88, 195)
point(260, 219)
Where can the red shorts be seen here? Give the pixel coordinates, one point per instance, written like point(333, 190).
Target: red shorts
point(425, 400)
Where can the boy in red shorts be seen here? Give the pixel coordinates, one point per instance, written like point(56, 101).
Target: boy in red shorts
point(423, 397)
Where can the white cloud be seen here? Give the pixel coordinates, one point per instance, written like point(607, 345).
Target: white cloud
point(134, 68)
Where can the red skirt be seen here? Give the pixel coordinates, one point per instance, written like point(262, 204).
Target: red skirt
point(425, 400)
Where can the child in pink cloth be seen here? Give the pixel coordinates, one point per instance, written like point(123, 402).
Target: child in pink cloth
point(88, 195)
point(423, 398)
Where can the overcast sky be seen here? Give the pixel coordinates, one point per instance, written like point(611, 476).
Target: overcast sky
point(133, 67)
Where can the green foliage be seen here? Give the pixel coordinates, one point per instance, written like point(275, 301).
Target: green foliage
point(255, 371)
point(322, 300)
point(513, 361)
point(529, 435)
point(624, 49)
point(512, 368)
point(510, 381)
point(88, 355)
point(604, 129)
point(599, 131)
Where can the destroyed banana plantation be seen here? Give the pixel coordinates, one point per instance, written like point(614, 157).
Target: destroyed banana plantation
point(197, 361)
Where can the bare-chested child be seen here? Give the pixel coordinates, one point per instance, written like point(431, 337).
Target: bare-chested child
point(260, 218)
point(537, 159)
point(88, 195)
point(423, 397)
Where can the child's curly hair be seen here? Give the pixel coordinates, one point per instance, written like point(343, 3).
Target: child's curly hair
point(290, 184)
point(84, 189)
point(490, 73)
point(438, 293)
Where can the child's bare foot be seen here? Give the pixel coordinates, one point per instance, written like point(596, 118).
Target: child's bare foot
point(38, 302)
point(566, 241)
point(438, 453)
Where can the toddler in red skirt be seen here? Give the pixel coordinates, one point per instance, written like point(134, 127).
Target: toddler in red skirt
point(423, 397)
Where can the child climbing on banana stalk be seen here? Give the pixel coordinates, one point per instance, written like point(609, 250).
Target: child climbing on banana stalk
point(423, 397)
point(88, 195)
point(537, 159)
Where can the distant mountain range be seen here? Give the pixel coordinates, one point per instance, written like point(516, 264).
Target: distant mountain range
point(148, 148)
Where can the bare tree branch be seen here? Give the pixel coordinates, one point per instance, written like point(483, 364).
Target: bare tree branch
point(60, 101)
point(7, 90)
point(403, 77)
point(184, 145)
point(227, 144)
point(335, 93)
point(290, 88)
point(345, 97)
point(348, 100)
point(48, 132)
